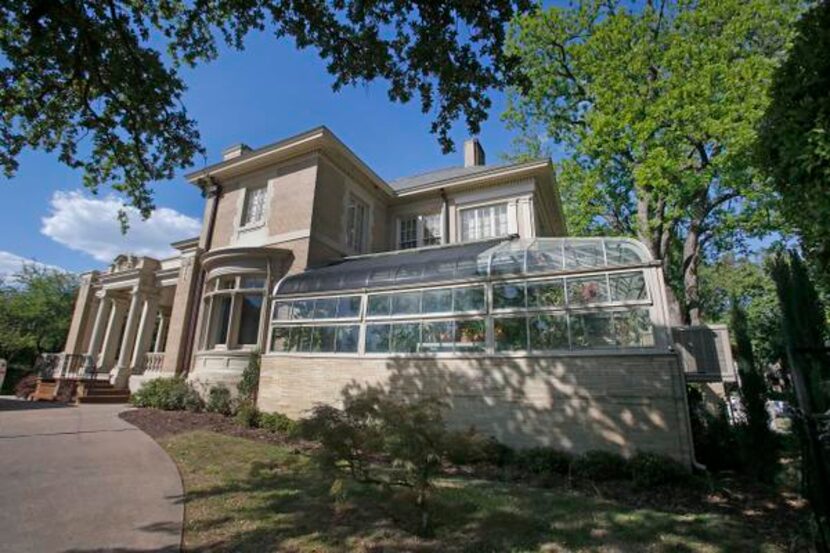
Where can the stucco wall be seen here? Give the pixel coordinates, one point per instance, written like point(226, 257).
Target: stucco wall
point(621, 403)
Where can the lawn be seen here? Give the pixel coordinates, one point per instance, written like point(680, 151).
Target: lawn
point(251, 495)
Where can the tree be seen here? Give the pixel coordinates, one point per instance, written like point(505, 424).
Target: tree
point(35, 313)
point(656, 108)
point(794, 137)
point(86, 78)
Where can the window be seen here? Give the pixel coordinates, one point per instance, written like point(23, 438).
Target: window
point(356, 224)
point(232, 311)
point(420, 230)
point(483, 222)
point(253, 212)
point(463, 299)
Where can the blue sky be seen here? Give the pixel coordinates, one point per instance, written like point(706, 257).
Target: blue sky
point(267, 92)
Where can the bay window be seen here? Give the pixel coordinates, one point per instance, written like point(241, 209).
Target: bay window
point(232, 312)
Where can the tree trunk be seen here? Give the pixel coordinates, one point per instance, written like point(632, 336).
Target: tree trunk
point(691, 262)
point(657, 242)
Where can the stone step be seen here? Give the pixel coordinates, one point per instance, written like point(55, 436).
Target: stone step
point(123, 397)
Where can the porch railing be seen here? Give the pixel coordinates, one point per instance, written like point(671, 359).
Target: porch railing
point(153, 362)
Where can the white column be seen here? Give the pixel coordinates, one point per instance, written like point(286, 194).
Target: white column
point(114, 327)
point(145, 331)
point(162, 330)
point(101, 318)
point(121, 373)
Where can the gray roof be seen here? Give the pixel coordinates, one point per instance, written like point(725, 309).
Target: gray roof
point(439, 175)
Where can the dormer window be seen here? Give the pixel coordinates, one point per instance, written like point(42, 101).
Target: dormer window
point(253, 212)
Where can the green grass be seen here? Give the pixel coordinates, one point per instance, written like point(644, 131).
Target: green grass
point(244, 495)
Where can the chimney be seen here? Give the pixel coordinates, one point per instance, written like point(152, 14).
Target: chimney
point(235, 151)
point(473, 153)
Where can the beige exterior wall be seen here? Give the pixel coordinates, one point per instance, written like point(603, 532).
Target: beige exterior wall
point(180, 315)
point(622, 403)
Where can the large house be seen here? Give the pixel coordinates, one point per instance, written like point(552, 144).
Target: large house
point(459, 283)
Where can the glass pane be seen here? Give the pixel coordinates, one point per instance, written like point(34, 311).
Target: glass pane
point(348, 307)
point(347, 338)
point(302, 309)
point(405, 337)
point(325, 308)
point(379, 305)
point(432, 230)
point(508, 262)
point(622, 252)
point(406, 303)
point(510, 334)
point(584, 254)
point(377, 338)
point(409, 233)
point(508, 296)
point(549, 293)
point(468, 299)
point(633, 329)
point(586, 290)
point(252, 282)
point(468, 225)
point(279, 338)
point(470, 335)
point(592, 330)
point(220, 319)
point(438, 300)
point(436, 336)
point(322, 339)
point(300, 338)
point(548, 332)
point(282, 311)
point(227, 283)
point(628, 286)
point(249, 319)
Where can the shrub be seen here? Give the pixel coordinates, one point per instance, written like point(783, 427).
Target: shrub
point(171, 394)
point(600, 466)
point(470, 447)
point(542, 460)
point(26, 386)
point(277, 422)
point(247, 414)
point(249, 384)
point(219, 400)
point(651, 469)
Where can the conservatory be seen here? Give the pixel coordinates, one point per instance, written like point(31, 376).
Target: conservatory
point(551, 341)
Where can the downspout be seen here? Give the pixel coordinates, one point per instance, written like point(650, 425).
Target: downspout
point(446, 218)
point(213, 189)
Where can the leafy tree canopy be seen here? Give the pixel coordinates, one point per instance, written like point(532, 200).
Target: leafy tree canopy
point(656, 108)
point(794, 140)
point(84, 77)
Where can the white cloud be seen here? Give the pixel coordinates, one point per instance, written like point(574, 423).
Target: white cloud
point(11, 263)
point(89, 225)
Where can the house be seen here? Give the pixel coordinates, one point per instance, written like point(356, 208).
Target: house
point(459, 283)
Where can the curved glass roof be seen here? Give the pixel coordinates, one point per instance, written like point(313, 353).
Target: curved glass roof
point(489, 258)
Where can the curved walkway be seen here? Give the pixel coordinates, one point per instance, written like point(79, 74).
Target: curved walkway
point(81, 479)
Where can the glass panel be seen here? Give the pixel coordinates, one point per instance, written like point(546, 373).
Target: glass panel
point(249, 319)
point(377, 338)
point(408, 233)
point(470, 335)
point(550, 293)
point(325, 308)
point(633, 328)
point(279, 338)
point(302, 309)
point(592, 330)
point(468, 299)
point(468, 225)
point(549, 332)
point(252, 282)
point(622, 252)
point(432, 230)
point(405, 337)
point(348, 307)
point(545, 256)
point(437, 336)
point(379, 305)
point(508, 263)
point(347, 338)
point(509, 296)
point(254, 209)
point(406, 303)
point(322, 339)
point(220, 320)
point(510, 334)
point(301, 338)
point(282, 311)
point(227, 283)
point(628, 286)
point(438, 300)
point(584, 290)
point(584, 254)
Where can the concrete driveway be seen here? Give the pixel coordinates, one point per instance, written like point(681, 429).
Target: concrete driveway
point(81, 479)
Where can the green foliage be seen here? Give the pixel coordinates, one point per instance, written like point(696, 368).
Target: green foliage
point(26, 386)
point(249, 383)
point(543, 461)
point(600, 466)
point(470, 447)
point(650, 470)
point(656, 108)
point(35, 311)
point(715, 440)
point(247, 414)
point(278, 423)
point(219, 400)
point(794, 137)
point(170, 394)
point(100, 83)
